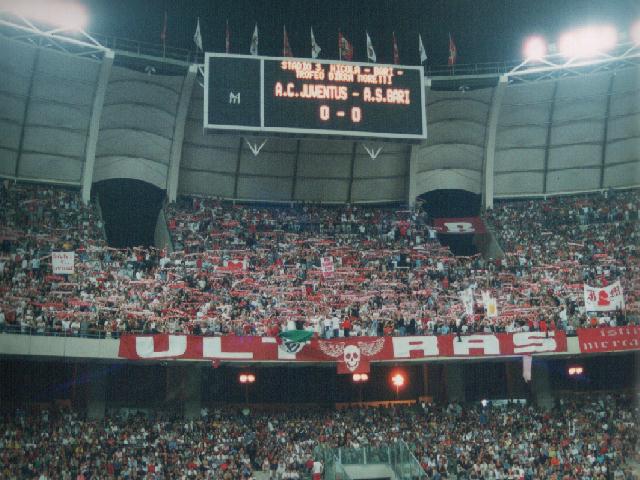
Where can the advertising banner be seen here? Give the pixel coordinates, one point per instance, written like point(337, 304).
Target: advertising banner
point(609, 339)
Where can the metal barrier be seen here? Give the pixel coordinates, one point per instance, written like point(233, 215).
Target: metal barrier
point(397, 456)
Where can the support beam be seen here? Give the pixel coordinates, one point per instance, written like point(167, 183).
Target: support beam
point(407, 182)
point(490, 144)
point(605, 133)
point(25, 114)
point(295, 172)
point(97, 391)
point(173, 173)
point(353, 167)
point(454, 374)
point(413, 174)
point(94, 125)
point(541, 383)
point(548, 140)
point(237, 176)
point(412, 191)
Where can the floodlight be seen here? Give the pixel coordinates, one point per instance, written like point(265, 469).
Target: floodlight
point(635, 33)
point(360, 377)
point(243, 378)
point(64, 14)
point(588, 41)
point(576, 370)
point(397, 380)
point(535, 48)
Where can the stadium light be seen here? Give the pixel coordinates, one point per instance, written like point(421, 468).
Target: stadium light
point(360, 377)
point(397, 380)
point(635, 33)
point(535, 48)
point(64, 14)
point(587, 42)
point(575, 370)
point(247, 378)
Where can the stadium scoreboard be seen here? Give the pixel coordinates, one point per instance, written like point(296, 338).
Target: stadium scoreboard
point(315, 97)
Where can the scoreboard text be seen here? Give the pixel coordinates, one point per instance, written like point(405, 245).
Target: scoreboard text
point(287, 95)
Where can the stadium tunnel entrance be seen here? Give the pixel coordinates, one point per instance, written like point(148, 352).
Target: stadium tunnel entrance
point(130, 211)
point(453, 204)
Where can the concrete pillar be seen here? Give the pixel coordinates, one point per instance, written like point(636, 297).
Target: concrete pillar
point(97, 392)
point(541, 384)
point(193, 392)
point(184, 389)
point(94, 125)
point(454, 377)
point(490, 143)
point(425, 380)
point(516, 387)
point(175, 156)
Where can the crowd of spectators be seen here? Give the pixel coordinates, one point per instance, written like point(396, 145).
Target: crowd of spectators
point(585, 438)
point(348, 271)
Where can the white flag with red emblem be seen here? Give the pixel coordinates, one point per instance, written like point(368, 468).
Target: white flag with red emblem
point(453, 52)
point(603, 299)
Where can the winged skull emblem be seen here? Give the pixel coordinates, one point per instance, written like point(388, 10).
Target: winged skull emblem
point(352, 354)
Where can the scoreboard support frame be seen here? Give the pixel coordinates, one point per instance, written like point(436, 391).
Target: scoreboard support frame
point(315, 132)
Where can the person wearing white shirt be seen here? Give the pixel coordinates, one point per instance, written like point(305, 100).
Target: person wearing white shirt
point(316, 470)
point(335, 326)
point(326, 327)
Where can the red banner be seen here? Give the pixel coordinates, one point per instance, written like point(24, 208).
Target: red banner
point(609, 339)
point(466, 225)
point(351, 354)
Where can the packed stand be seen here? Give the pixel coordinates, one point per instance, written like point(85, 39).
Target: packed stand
point(589, 438)
point(337, 271)
point(555, 245)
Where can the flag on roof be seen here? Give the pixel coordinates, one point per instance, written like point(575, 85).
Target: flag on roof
point(286, 48)
point(163, 33)
point(396, 52)
point(315, 48)
point(197, 37)
point(253, 49)
point(345, 49)
point(371, 53)
point(423, 52)
point(453, 52)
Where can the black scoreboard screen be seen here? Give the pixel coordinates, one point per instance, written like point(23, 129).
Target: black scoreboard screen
point(323, 97)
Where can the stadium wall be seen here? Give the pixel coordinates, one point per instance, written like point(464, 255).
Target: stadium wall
point(536, 138)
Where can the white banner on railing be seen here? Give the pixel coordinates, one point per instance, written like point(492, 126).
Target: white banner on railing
point(603, 299)
point(62, 262)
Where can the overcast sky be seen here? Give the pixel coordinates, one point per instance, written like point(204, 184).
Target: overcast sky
point(484, 31)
